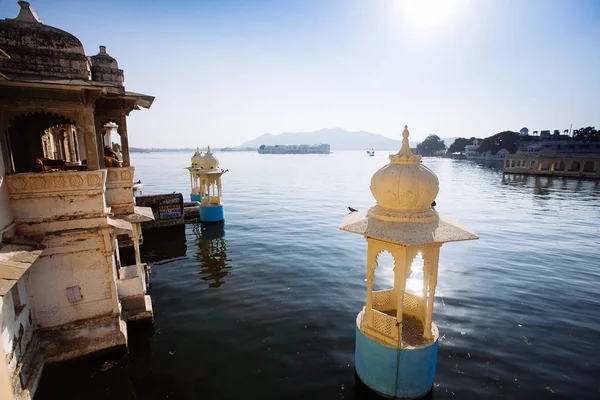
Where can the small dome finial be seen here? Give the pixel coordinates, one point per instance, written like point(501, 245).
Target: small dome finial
point(405, 154)
point(103, 50)
point(405, 132)
point(26, 14)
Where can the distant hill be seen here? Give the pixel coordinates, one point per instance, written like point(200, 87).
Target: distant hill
point(338, 138)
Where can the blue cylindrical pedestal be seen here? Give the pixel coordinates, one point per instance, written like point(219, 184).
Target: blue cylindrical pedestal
point(212, 213)
point(195, 197)
point(393, 372)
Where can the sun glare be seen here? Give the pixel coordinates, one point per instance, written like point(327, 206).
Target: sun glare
point(428, 13)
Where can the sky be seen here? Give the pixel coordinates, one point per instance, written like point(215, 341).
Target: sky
point(224, 72)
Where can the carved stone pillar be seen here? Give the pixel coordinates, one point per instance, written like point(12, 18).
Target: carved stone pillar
point(87, 127)
point(402, 260)
point(433, 255)
point(372, 253)
point(124, 140)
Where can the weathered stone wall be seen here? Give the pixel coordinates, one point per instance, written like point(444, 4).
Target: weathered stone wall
point(74, 278)
point(16, 329)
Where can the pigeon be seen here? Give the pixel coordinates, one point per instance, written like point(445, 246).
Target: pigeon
point(352, 209)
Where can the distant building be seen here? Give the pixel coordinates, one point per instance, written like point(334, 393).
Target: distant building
point(555, 155)
point(295, 149)
point(472, 153)
point(471, 150)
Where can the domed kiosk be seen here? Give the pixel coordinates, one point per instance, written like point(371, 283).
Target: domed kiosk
point(396, 339)
point(205, 180)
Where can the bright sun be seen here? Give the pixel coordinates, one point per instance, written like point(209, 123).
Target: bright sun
point(428, 13)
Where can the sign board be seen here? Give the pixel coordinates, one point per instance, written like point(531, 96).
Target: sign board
point(167, 209)
point(170, 208)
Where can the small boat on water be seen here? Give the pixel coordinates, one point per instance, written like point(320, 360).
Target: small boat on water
point(137, 186)
point(371, 152)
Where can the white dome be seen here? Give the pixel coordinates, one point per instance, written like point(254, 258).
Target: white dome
point(404, 189)
point(197, 158)
point(209, 161)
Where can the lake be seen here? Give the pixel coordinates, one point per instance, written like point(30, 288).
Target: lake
point(268, 310)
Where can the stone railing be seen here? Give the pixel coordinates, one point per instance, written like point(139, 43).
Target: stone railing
point(54, 201)
point(414, 305)
point(383, 300)
point(119, 190)
point(380, 326)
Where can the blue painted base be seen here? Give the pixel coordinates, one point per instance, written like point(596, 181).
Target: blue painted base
point(212, 213)
point(195, 197)
point(392, 372)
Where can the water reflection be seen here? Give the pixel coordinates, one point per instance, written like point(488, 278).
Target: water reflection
point(546, 186)
point(155, 248)
point(212, 253)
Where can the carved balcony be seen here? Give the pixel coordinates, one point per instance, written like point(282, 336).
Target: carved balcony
point(58, 201)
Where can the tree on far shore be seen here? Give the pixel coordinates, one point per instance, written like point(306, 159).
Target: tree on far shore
point(459, 145)
point(589, 134)
point(504, 140)
point(431, 145)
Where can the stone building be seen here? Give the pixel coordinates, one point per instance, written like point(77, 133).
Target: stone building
point(66, 205)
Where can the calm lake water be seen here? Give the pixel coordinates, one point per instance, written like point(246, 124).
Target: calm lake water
point(268, 311)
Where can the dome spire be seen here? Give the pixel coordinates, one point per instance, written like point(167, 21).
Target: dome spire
point(405, 155)
point(26, 14)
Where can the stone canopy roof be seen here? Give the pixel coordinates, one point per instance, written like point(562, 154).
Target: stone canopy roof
point(43, 52)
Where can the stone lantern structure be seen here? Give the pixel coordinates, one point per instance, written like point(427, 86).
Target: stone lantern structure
point(396, 339)
point(195, 194)
point(205, 179)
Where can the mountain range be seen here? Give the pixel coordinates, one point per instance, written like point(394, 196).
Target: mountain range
point(338, 138)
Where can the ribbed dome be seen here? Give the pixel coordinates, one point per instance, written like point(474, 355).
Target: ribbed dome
point(40, 50)
point(404, 189)
point(209, 161)
point(197, 158)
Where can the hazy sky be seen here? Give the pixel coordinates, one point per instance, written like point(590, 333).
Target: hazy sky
point(224, 71)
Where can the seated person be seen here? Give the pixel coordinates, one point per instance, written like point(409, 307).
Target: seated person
point(48, 164)
point(111, 158)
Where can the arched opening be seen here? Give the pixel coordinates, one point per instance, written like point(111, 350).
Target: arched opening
point(414, 282)
point(111, 142)
point(589, 166)
point(507, 163)
point(575, 166)
point(560, 166)
point(544, 166)
point(384, 272)
point(519, 163)
point(42, 142)
point(512, 164)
